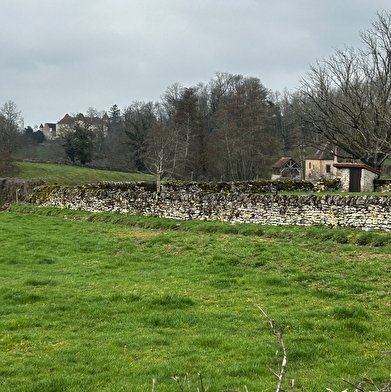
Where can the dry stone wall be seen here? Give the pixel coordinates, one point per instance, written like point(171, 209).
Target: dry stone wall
point(364, 212)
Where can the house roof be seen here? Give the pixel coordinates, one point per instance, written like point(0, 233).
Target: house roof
point(66, 119)
point(286, 162)
point(323, 152)
point(348, 165)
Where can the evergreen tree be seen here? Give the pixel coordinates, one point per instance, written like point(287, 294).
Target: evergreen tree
point(78, 143)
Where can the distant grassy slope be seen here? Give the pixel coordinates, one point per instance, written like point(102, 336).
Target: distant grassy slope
point(73, 175)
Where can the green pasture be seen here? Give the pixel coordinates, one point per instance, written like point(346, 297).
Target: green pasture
point(106, 302)
point(73, 175)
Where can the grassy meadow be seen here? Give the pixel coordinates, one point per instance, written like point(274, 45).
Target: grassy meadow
point(106, 302)
point(73, 175)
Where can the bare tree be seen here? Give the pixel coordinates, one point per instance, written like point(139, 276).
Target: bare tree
point(161, 147)
point(245, 135)
point(11, 126)
point(139, 118)
point(118, 156)
point(187, 124)
point(290, 132)
point(347, 97)
point(171, 97)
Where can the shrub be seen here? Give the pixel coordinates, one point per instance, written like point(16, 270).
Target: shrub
point(14, 189)
point(7, 164)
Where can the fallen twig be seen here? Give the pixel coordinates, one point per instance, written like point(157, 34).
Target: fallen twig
point(278, 332)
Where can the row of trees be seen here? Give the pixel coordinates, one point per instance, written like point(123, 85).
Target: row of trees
point(227, 129)
point(234, 128)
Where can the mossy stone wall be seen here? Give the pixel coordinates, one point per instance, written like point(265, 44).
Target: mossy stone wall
point(233, 203)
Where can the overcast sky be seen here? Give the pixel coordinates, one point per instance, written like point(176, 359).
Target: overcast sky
point(64, 56)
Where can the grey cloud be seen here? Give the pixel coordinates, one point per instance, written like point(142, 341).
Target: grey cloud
point(63, 56)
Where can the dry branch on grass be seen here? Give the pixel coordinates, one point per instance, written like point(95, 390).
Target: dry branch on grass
point(367, 382)
point(278, 332)
point(185, 383)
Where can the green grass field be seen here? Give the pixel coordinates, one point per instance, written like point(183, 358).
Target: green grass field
point(105, 302)
point(73, 175)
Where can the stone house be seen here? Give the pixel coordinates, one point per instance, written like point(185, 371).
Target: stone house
point(96, 123)
point(356, 177)
point(320, 164)
point(52, 131)
point(286, 168)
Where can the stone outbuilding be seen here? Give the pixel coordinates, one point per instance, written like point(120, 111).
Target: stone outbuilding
point(356, 177)
point(286, 168)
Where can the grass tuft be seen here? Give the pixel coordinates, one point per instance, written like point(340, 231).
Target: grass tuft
point(172, 301)
point(355, 312)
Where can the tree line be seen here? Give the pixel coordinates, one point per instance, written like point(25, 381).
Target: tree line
point(224, 130)
point(233, 128)
point(228, 129)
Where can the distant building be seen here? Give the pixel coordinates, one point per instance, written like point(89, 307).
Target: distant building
point(320, 164)
point(48, 130)
point(96, 123)
point(286, 168)
point(52, 131)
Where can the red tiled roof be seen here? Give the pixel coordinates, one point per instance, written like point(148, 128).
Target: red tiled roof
point(347, 165)
point(66, 119)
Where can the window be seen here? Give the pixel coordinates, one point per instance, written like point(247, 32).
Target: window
point(328, 168)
